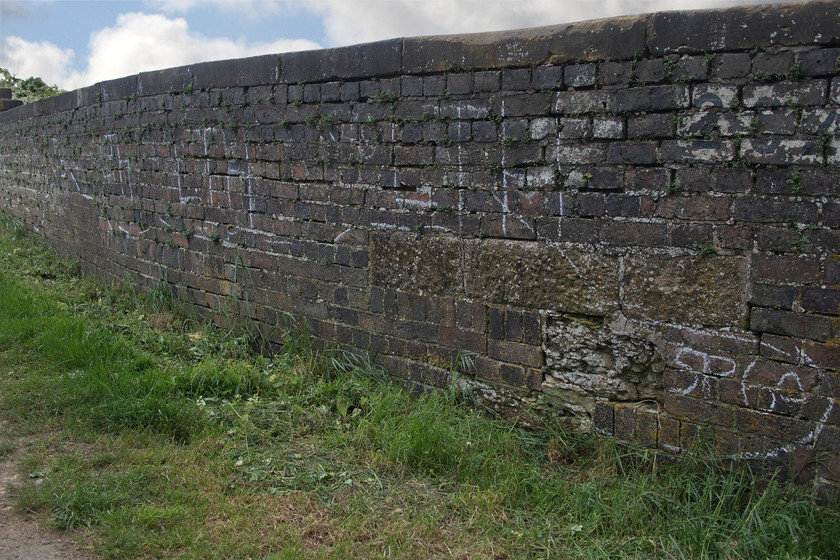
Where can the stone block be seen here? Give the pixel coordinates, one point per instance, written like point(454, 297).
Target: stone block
point(537, 276)
point(382, 58)
point(743, 28)
point(710, 291)
point(416, 263)
point(788, 323)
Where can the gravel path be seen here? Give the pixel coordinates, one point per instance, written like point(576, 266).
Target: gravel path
point(21, 538)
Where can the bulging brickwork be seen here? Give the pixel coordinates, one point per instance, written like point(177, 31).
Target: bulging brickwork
point(631, 225)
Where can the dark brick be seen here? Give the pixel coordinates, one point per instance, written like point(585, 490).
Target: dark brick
point(775, 211)
point(459, 84)
point(615, 73)
point(780, 348)
point(655, 125)
point(819, 62)
point(821, 300)
point(822, 356)
point(633, 153)
point(777, 64)
point(648, 70)
point(652, 98)
point(780, 375)
point(496, 323)
point(831, 272)
point(516, 80)
point(785, 429)
point(602, 418)
point(580, 75)
point(487, 81)
point(730, 65)
point(513, 326)
point(787, 323)
point(784, 269)
point(515, 352)
point(624, 422)
point(642, 234)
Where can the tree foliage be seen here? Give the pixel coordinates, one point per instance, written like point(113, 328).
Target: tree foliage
point(29, 89)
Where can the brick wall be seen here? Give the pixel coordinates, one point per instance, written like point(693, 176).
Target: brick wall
point(631, 225)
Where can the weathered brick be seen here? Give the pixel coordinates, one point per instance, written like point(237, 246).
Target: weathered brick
point(769, 211)
point(785, 93)
point(602, 418)
point(515, 352)
point(821, 356)
point(780, 348)
point(654, 125)
point(580, 75)
point(818, 62)
point(652, 98)
point(787, 323)
point(821, 300)
point(704, 96)
point(784, 269)
point(576, 102)
point(771, 425)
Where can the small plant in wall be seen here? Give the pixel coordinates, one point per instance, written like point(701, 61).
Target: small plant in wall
point(385, 96)
point(708, 250)
point(795, 182)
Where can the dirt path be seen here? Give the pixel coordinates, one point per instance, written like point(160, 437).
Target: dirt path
point(21, 538)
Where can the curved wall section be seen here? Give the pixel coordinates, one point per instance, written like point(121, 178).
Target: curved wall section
point(631, 225)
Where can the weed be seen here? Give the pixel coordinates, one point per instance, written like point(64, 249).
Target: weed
point(795, 182)
point(761, 76)
point(285, 124)
point(708, 250)
point(795, 71)
point(385, 96)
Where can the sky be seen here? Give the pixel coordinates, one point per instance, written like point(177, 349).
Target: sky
point(75, 43)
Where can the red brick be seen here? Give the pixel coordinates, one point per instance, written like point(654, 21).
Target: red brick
point(822, 409)
point(780, 348)
point(697, 410)
point(821, 355)
point(785, 269)
point(462, 340)
point(771, 425)
point(776, 374)
point(788, 323)
point(515, 352)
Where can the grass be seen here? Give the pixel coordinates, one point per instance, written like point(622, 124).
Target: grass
point(158, 435)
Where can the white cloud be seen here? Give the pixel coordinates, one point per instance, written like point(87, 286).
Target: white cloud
point(42, 59)
point(138, 42)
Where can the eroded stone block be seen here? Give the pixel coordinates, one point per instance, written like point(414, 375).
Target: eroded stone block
point(710, 291)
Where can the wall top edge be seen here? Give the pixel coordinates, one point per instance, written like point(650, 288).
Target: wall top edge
point(815, 22)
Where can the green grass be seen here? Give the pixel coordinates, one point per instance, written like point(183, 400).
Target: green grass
point(162, 436)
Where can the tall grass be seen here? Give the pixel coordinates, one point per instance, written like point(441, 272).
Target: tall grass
point(333, 426)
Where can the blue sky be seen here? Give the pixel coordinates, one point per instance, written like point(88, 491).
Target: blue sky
point(73, 43)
